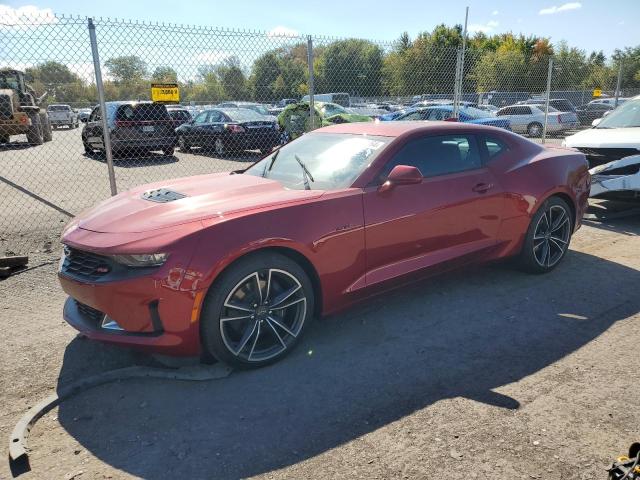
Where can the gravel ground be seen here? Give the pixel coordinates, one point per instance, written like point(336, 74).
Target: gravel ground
point(485, 373)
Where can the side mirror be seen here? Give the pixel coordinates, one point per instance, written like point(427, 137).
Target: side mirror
point(401, 175)
point(596, 122)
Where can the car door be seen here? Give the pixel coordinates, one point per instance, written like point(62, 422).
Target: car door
point(196, 132)
point(456, 210)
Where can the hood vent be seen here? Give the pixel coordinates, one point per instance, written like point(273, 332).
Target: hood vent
point(162, 195)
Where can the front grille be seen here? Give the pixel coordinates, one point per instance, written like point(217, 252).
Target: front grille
point(600, 156)
point(84, 265)
point(89, 313)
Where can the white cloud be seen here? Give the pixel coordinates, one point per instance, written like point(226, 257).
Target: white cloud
point(562, 8)
point(484, 28)
point(495, 12)
point(25, 16)
point(281, 31)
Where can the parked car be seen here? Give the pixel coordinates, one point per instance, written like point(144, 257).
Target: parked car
point(560, 104)
point(178, 116)
point(237, 264)
point(589, 112)
point(135, 128)
point(610, 101)
point(62, 115)
point(529, 119)
point(445, 112)
point(228, 130)
point(294, 120)
point(487, 107)
point(84, 113)
point(342, 99)
point(615, 136)
point(286, 101)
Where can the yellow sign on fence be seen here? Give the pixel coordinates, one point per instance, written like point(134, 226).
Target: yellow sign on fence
point(597, 92)
point(165, 93)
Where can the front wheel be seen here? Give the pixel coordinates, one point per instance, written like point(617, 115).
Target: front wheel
point(257, 311)
point(183, 144)
point(168, 151)
point(534, 129)
point(548, 237)
point(219, 147)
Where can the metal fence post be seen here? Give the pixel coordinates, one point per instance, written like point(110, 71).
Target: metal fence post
point(103, 108)
point(618, 84)
point(546, 100)
point(457, 93)
point(311, 86)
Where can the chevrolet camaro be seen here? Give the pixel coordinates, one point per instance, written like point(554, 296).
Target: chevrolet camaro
point(235, 265)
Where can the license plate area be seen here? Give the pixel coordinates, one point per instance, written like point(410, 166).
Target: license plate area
point(148, 129)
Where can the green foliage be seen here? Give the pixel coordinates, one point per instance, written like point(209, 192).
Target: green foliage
point(425, 64)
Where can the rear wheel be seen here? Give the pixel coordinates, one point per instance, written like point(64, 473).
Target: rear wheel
point(256, 312)
point(534, 129)
point(4, 138)
point(46, 128)
point(183, 144)
point(34, 134)
point(168, 151)
point(219, 147)
point(548, 237)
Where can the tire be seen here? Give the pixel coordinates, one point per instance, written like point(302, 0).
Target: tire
point(255, 336)
point(168, 151)
point(183, 144)
point(266, 151)
point(5, 138)
point(34, 134)
point(47, 136)
point(219, 147)
point(544, 248)
point(534, 129)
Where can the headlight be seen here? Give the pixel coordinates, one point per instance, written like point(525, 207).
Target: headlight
point(141, 260)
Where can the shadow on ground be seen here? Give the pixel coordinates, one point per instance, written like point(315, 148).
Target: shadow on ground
point(465, 334)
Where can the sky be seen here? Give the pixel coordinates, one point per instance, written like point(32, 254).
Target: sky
point(587, 24)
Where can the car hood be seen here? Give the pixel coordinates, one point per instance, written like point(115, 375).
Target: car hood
point(606, 138)
point(204, 196)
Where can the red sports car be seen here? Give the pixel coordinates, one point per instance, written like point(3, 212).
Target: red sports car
point(235, 265)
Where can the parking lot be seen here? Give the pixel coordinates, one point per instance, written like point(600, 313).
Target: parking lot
point(39, 184)
point(491, 372)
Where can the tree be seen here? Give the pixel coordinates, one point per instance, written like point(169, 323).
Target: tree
point(630, 59)
point(126, 69)
point(61, 84)
point(352, 66)
point(232, 79)
point(163, 74)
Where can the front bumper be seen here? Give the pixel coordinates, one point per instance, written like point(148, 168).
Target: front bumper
point(154, 315)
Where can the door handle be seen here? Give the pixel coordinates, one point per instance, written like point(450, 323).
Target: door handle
point(482, 187)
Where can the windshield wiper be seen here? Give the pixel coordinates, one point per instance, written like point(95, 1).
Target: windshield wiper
point(306, 174)
point(269, 166)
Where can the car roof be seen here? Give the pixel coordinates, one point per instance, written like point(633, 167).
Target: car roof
point(395, 129)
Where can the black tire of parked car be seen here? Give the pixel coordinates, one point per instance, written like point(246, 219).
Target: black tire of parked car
point(34, 134)
point(5, 138)
point(220, 148)
point(168, 151)
point(556, 209)
point(215, 342)
point(183, 143)
point(534, 129)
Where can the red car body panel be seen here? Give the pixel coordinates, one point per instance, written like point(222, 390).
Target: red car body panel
point(355, 242)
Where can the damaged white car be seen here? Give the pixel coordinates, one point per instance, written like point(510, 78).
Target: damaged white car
point(619, 179)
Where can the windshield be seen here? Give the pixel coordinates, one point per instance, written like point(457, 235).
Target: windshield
point(261, 109)
point(244, 115)
point(333, 160)
point(329, 109)
point(58, 108)
point(475, 112)
point(625, 116)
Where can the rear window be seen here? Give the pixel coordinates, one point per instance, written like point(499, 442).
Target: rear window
point(243, 115)
point(58, 108)
point(179, 114)
point(142, 111)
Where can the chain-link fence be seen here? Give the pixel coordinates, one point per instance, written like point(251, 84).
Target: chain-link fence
point(77, 123)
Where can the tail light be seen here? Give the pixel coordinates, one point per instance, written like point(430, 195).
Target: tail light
point(235, 128)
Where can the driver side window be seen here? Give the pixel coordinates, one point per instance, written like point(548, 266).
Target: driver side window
point(95, 115)
point(437, 155)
